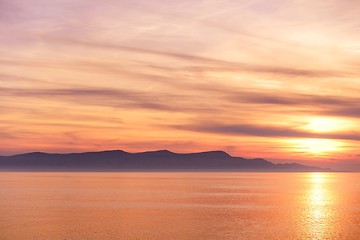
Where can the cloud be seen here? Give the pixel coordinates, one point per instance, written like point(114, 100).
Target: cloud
point(347, 111)
point(341, 106)
point(117, 98)
point(290, 99)
point(264, 131)
point(293, 99)
point(204, 63)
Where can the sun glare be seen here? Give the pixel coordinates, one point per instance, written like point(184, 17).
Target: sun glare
point(316, 146)
point(325, 124)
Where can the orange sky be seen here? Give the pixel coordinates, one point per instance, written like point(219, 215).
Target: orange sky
point(272, 79)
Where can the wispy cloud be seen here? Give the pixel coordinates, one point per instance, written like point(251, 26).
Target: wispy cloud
point(265, 131)
point(198, 63)
point(116, 98)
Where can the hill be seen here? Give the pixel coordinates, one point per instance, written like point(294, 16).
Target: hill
point(162, 160)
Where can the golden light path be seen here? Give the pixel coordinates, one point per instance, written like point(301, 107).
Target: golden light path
point(319, 201)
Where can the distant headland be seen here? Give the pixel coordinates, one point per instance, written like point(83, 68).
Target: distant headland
point(161, 160)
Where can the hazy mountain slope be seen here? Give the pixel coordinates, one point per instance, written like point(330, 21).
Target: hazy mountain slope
point(162, 160)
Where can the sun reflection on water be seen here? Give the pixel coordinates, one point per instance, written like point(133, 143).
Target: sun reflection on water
point(319, 202)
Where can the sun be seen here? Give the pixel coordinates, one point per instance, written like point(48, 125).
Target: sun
point(316, 146)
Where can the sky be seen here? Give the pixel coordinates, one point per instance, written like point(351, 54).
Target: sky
point(270, 79)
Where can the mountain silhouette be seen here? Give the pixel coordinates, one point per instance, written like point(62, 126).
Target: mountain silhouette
point(161, 160)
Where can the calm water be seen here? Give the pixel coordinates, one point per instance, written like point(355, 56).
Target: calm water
point(179, 206)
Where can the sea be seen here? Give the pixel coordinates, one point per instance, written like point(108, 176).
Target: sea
point(179, 205)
